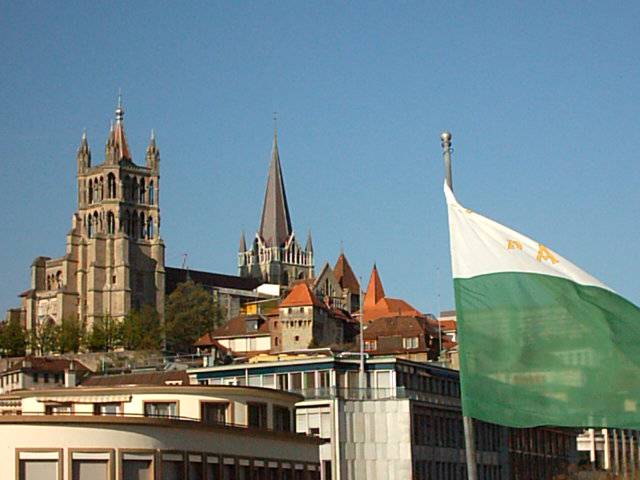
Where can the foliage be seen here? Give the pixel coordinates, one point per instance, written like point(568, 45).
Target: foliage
point(70, 335)
point(43, 338)
point(190, 312)
point(105, 335)
point(142, 330)
point(13, 338)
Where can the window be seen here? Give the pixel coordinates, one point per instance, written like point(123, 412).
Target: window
point(296, 381)
point(91, 465)
point(106, 408)
point(283, 381)
point(152, 193)
point(257, 413)
point(57, 409)
point(172, 467)
point(410, 342)
point(281, 419)
point(160, 409)
point(212, 468)
point(229, 469)
point(35, 378)
point(137, 466)
point(213, 413)
point(370, 345)
point(195, 467)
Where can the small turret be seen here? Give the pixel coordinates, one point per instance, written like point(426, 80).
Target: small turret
point(243, 244)
point(153, 153)
point(110, 147)
point(84, 154)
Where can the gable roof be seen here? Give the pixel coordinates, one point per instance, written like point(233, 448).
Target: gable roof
point(301, 296)
point(345, 276)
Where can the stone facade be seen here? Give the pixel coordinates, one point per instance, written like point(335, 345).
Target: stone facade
point(114, 259)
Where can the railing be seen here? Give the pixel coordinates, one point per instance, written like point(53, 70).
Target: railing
point(326, 393)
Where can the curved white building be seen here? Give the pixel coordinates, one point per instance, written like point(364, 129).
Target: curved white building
point(161, 432)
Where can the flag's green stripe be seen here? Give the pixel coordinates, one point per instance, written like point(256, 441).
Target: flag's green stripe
point(541, 350)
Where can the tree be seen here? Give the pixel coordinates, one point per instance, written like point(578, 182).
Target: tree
point(43, 338)
point(13, 338)
point(70, 334)
point(190, 312)
point(141, 329)
point(105, 334)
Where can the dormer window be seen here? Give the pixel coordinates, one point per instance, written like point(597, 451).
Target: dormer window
point(410, 342)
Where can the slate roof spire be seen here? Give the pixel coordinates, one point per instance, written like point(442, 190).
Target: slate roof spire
point(275, 224)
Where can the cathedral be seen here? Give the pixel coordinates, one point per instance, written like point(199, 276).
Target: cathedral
point(114, 260)
point(275, 255)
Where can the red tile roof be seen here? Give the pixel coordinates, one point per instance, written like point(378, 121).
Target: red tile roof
point(301, 296)
point(345, 276)
point(375, 292)
point(207, 341)
point(237, 327)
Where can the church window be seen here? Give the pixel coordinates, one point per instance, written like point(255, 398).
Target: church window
point(141, 191)
point(134, 225)
point(101, 190)
point(59, 279)
point(96, 222)
point(127, 222)
point(142, 229)
point(152, 193)
point(150, 228)
point(111, 185)
point(126, 187)
point(134, 189)
point(90, 191)
point(90, 226)
point(111, 223)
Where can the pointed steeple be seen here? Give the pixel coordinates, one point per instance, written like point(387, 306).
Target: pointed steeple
point(275, 224)
point(243, 243)
point(153, 152)
point(84, 153)
point(119, 137)
point(375, 292)
point(309, 246)
point(345, 276)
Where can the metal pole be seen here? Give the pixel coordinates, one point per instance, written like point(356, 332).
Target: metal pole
point(616, 452)
point(362, 378)
point(467, 422)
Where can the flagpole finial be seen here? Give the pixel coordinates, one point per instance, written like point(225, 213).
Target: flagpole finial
point(445, 137)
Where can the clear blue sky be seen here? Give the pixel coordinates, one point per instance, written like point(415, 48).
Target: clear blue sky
point(543, 100)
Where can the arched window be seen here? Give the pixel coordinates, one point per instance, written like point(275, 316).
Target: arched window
point(111, 185)
point(141, 226)
point(134, 189)
point(111, 223)
point(126, 187)
point(90, 191)
point(90, 226)
point(48, 282)
point(127, 222)
point(59, 279)
point(152, 193)
point(96, 223)
point(134, 225)
point(101, 196)
point(150, 232)
point(141, 191)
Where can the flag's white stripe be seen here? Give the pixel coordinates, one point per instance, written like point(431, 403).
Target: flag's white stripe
point(479, 247)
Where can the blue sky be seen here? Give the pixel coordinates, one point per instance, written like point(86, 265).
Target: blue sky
point(543, 102)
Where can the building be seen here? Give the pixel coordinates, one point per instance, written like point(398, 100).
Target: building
point(275, 256)
point(405, 423)
point(229, 291)
point(338, 286)
point(147, 432)
point(38, 373)
point(410, 337)
point(114, 258)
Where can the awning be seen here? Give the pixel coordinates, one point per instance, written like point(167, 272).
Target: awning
point(86, 399)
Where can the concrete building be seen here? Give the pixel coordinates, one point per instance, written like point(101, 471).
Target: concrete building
point(275, 256)
point(114, 259)
point(150, 432)
point(37, 373)
point(405, 424)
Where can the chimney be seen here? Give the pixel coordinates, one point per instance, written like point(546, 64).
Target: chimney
point(70, 376)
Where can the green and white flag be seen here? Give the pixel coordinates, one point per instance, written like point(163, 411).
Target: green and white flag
point(541, 341)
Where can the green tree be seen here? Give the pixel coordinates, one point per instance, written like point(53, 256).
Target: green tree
point(142, 330)
point(44, 338)
point(70, 334)
point(13, 338)
point(190, 312)
point(105, 334)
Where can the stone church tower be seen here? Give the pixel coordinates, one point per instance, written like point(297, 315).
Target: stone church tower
point(114, 259)
point(275, 255)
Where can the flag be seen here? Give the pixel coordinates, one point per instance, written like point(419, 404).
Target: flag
point(541, 341)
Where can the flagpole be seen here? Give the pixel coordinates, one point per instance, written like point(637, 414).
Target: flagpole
point(469, 434)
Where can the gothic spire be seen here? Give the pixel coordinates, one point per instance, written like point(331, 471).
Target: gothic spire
point(120, 139)
point(84, 153)
point(309, 246)
point(275, 224)
point(243, 243)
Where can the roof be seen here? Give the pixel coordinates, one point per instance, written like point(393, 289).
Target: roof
point(141, 378)
point(237, 326)
point(448, 325)
point(45, 364)
point(299, 296)
point(375, 292)
point(345, 276)
point(206, 341)
point(406, 326)
point(174, 276)
point(275, 224)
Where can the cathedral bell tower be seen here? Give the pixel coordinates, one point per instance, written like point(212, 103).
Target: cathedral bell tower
point(275, 256)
